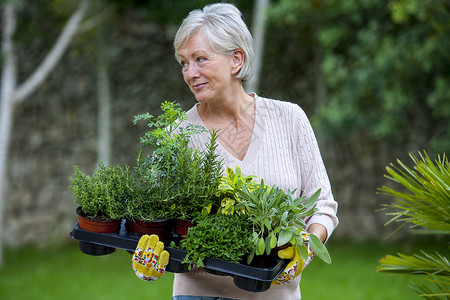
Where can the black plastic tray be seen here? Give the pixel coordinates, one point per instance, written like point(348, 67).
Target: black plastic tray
point(246, 277)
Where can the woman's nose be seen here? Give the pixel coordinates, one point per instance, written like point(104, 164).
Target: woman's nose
point(191, 71)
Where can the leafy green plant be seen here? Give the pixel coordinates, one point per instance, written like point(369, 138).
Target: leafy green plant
point(276, 218)
point(197, 181)
point(105, 193)
point(168, 140)
point(176, 180)
point(228, 189)
point(147, 205)
point(226, 237)
point(426, 206)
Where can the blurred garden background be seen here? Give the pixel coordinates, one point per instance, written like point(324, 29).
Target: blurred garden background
point(372, 75)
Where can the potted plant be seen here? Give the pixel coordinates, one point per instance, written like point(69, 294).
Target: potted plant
point(176, 181)
point(196, 183)
point(259, 217)
point(226, 237)
point(102, 198)
point(276, 217)
point(229, 187)
point(220, 243)
point(148, 212)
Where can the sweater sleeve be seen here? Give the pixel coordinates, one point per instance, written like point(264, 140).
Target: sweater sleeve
point(314, 175)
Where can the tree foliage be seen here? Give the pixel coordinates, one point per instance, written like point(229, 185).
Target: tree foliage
point(170, 11)
point(386, 65)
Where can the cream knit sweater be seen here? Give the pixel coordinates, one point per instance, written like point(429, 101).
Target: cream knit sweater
point(284, 152)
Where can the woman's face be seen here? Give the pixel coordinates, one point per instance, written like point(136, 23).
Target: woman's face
point(207, 73)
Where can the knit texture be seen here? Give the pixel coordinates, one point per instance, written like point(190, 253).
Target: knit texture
point(284, 152)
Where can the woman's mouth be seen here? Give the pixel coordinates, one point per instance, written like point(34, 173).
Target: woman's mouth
point(198, 86)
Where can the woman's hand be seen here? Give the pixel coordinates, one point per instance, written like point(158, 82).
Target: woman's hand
point(296, 265)
point(150, 259)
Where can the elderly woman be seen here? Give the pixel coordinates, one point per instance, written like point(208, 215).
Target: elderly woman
point(268, 138)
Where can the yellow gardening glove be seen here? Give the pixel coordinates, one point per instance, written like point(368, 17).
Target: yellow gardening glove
point(150, 259)
point(296, 265)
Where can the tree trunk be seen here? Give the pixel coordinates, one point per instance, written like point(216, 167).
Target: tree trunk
point(320, 85)
point(11, 95)
point(53, 57)
point(8, 84)
point(104, 101)
point(258, 31)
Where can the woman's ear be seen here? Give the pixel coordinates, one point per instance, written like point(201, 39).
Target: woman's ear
point(238, 61)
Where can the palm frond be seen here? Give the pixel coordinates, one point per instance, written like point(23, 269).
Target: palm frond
point(426, 206)
point(427, 292)
point(425, 264)
point(427, 202)
point(435, 268)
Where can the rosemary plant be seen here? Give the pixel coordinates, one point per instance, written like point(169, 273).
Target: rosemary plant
point(105, 193)
point(175, 180)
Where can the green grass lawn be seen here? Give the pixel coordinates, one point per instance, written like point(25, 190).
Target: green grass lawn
point(352, 275)
point(66, 273)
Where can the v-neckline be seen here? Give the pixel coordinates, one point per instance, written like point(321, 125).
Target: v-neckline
point(255, 141)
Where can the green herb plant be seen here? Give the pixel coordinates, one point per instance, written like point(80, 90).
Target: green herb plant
point(147, 205)
point(176, 180)
point(221, 236)
point(228, 189)
point(276, 218)
point(105, 193)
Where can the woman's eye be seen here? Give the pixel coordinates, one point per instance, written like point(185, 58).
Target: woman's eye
point(183, 64)
point(201, 59)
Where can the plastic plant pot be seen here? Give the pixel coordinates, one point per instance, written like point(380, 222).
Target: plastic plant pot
point(263, 276)
point(94, 249)
point(251, 285)
point(96, 226)
point(157, 227)
point(181, 227)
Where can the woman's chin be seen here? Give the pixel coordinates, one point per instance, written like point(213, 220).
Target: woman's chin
point(200, 98)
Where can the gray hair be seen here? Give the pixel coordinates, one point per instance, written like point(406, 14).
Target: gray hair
point(223, 26)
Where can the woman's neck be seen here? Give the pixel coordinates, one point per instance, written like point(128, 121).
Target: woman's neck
point(234, 118)
point(232, 107)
